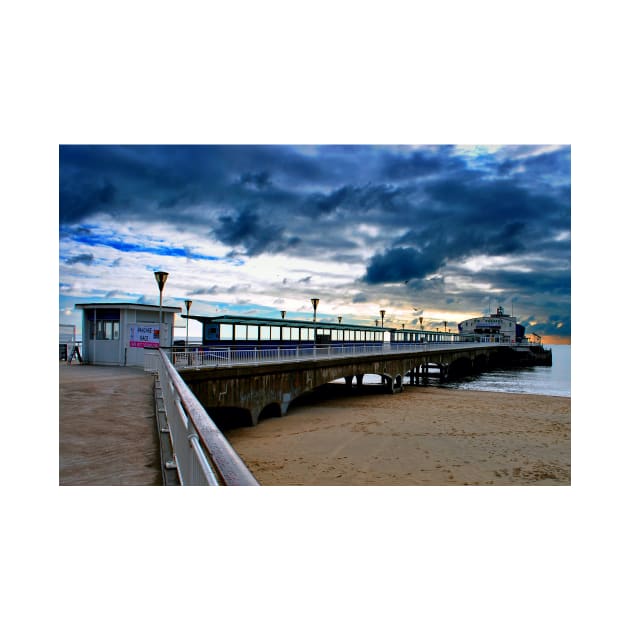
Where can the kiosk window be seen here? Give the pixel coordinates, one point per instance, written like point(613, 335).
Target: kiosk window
point(106, 330)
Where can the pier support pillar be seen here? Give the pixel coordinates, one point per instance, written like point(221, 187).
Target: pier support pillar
point(443, 373)
point(284, 405)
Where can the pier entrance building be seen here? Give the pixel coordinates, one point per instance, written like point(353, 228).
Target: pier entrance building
point(118, 333)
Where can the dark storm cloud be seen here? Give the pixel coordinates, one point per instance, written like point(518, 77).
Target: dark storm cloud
point(86, 259)
point(205, 291)
point(378, 202)
point(252, 231)
point(327, 202)
point(257, 180)
point(419, 163)
point(400, 264)
point(130, 181)
point(495, 202)
point(549, 282)
point(82, 201)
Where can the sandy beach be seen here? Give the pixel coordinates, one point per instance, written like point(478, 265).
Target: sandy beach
point(422, 436)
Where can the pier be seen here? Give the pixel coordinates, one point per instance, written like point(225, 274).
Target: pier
point(263, 382)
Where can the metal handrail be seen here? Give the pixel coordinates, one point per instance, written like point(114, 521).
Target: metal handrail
point(227, 356)
point(202, 454)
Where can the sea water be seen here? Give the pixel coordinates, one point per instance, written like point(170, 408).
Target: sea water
point(554, 380)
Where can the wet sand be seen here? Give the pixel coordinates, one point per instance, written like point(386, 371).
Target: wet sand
point(422, 436)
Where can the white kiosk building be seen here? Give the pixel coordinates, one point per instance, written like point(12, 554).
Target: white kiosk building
point(117, 333)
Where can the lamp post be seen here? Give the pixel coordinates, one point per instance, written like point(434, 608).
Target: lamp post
point(444, 326)
point(339, 318)
point(282, 314)
point(421, 319)
point(188, 304)
point(160, 278)
point(382, 318)
point(314, 302)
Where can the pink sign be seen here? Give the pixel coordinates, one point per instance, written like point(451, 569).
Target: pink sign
point(144, 336)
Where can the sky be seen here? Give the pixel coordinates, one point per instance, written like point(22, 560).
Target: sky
point(438, 232)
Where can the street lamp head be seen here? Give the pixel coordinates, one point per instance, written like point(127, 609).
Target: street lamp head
point(282, 314)
point(382, 313)
point(339, 318)
point(160, 278)
point(314, 302)
point(188, 304)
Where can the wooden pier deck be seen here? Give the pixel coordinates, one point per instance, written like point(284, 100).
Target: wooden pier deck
point(107, 428)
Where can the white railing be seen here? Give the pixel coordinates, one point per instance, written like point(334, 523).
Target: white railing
point(229, 356)
point(201, 453)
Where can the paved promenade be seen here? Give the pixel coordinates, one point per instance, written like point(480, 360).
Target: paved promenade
point(107, 432)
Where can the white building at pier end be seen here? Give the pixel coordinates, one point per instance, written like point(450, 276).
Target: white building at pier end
point(497, 327)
